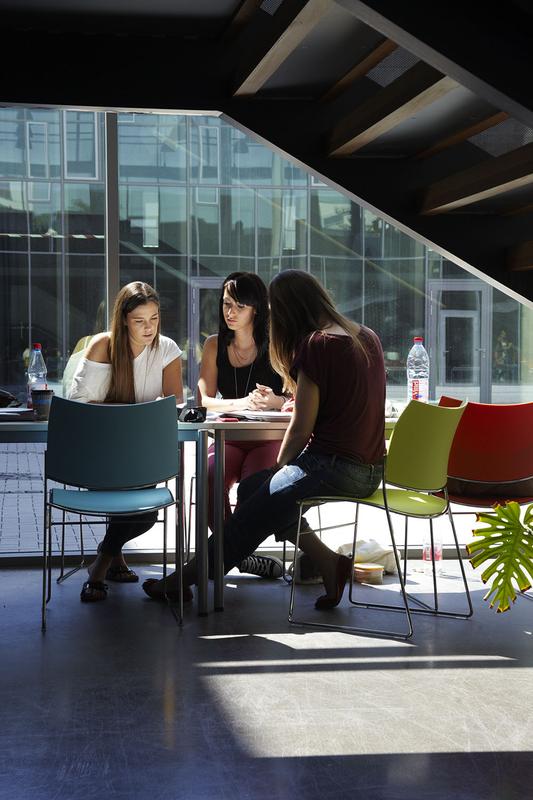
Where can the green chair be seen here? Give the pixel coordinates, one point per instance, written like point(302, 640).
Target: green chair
point(416, 467)
point(113, 455)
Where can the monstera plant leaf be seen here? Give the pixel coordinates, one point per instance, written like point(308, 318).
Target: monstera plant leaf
point(506, 542)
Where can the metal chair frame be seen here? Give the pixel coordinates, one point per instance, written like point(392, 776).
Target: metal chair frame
point(383, 501)
point(114, 434)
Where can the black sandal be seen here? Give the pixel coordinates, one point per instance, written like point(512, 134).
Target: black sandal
point(93, 592)
point(121, 574)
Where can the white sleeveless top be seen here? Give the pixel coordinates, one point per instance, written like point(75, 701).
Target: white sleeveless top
point(91, 380)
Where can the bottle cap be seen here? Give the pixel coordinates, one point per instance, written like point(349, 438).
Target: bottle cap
point(418, 339)
point(37, 346)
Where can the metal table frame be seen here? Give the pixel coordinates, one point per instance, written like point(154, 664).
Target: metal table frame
point(199, 433)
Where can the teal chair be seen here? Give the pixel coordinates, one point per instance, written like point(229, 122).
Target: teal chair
point(415, 468)
point(113, 455)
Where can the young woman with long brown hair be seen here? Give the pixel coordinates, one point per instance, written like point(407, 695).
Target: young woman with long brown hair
point(335, 442)
point(131, 363)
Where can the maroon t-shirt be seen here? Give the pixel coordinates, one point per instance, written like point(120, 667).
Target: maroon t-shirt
point(351, 411)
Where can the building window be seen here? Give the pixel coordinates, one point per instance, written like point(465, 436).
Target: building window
point(37, 149)
point(81, 144)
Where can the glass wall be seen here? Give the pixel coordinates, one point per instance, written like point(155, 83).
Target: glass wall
point(198, 199)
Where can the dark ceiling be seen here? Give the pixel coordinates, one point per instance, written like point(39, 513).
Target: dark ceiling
point(423, 111)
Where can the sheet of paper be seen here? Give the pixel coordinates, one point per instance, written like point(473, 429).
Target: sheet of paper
point(261, 416)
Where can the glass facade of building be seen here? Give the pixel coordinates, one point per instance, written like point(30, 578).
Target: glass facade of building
point(198, 199)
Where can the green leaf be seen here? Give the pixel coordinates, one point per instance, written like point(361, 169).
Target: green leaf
point(507, 543)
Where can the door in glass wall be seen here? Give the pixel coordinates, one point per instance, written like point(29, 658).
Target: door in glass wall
point(204, 294)
point(459, 336)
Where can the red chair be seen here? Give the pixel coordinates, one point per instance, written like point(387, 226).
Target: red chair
point(491, 460)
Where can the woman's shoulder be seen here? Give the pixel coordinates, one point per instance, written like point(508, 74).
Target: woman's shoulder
point(211, 343)
point(166, 343)
point(167, 351)
point(98, 349)
point(210, 349)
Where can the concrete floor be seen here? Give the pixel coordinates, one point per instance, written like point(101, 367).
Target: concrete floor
point(117, 702)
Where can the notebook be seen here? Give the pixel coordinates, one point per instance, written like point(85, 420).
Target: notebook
point(20, 414)
point(260, 416)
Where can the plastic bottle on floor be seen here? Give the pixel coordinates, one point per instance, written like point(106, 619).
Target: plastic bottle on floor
point(426, 553)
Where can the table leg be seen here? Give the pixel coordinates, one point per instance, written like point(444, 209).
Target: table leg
point(179, 530)
point(201, 520)
point(218, 549)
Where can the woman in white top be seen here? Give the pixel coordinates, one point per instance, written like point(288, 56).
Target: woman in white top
point(132, 363)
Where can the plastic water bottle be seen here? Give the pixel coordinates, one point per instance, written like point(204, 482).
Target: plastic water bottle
point(426, 552)
point(418, 371)
point(36, 371)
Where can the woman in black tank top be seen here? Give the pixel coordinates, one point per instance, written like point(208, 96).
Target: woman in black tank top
point(235, 374)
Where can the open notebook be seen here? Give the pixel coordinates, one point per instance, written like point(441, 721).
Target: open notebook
point(256, 416)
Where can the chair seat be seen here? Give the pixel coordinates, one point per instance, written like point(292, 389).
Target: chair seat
point(486, 501)
point(134, 501)
point(408, 501)
point(400, 501)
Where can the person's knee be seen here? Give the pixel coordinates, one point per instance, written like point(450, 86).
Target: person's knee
point(248, 486)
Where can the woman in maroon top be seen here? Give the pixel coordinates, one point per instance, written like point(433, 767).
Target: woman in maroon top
point(334, 444)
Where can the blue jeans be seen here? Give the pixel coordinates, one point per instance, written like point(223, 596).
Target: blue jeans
point(267, 501)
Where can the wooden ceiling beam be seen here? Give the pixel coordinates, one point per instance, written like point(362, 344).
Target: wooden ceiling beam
point(360, 69)
point(293, 21)
point(463, 134)
point(517, 210)
point(491, 178)
point(520, 258)
point(417, 88)
point(241, 18)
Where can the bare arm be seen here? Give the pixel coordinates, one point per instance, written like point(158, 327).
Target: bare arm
point(303, 420)
point(208, 380)
point(172, 380)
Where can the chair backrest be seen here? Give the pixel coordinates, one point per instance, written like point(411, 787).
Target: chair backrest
point(493, 443)
point(420, 446)
point(112, 446)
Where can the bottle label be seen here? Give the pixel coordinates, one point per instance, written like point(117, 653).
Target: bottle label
point(419, 389)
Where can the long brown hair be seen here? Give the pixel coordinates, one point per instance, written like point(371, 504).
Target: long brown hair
point(122, 386)
point(299, 305)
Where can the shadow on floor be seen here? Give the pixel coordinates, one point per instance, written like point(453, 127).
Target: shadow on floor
point(116, 701)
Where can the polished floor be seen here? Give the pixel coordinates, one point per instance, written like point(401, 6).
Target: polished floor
point(115, 701)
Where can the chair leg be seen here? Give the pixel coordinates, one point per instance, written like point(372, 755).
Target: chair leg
point(348, 628)
point(189, 517)
point(405, 535)
point(463, 573)
point(425, 607)
point(286, 577)
point(49, 570)
point(64, 575)
point(178, 616)
point(45, 561)
point(385, 606)
point(165, 544)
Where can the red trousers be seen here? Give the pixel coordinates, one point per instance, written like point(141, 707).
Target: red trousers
point(241, 460)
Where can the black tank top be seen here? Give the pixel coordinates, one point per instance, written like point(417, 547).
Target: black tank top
point(235, 382)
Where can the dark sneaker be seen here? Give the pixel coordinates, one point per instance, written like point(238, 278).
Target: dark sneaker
point(264, 566)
